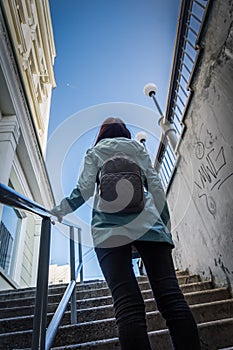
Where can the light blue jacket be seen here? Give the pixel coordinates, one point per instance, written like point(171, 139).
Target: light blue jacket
point(152, 224)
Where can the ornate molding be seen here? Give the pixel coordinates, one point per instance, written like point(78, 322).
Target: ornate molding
point(28, 23)
point(32, 146)
point(9, 130)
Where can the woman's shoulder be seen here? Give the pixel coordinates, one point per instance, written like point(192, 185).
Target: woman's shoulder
point(121, 142)
point(110, 146)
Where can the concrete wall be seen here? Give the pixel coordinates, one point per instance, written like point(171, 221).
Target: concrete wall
point(201, 194)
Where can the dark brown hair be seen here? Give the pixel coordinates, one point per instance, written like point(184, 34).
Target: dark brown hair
point(113, 127)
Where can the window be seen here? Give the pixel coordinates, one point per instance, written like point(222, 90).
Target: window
point(9, 228)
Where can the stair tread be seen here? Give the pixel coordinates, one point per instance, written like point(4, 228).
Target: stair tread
point(228, 320)
point(141, 279)
point(154, 320)
point(212, 308)
point(32, 298)
point(99, 308)
point(109, 298)
point(11, 294)
point(113, 342)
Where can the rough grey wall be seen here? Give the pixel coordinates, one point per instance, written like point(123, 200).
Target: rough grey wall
point(201, 194)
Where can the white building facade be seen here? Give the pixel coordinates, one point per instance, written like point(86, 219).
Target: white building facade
point(59, 274)
point(27, 54)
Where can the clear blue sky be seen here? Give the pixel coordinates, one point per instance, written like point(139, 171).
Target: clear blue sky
point(107, 50)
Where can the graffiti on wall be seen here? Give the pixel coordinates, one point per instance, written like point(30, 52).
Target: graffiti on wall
point(211, 172)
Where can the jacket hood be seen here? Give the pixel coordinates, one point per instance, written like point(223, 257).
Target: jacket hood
point(119, 144)
point(106, 148)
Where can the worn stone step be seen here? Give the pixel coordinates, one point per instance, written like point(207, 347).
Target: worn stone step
point(214, 335)
point(212, 311)
point(53, 289)
point(93, 286)
point(105, 328)
point(27, 301)
point(205, 311)
point(22, 339)
point(188, 279)
point(147, 293)
point(56, 289)
point(192, 298)
point(182, 272)
point(202, 313)
point(24, 310)
point(205, 296)
point(97, 293)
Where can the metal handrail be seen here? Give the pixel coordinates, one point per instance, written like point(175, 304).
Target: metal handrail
point(193, 13)
point(55, 322)
point(42, 339)
point(14, 199)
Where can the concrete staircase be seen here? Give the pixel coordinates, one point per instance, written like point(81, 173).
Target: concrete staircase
point(212, 309)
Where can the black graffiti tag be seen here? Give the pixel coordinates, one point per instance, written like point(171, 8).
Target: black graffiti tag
point(209, 173)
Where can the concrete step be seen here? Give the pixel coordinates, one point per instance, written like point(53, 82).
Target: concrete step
point(205, 296)
point(192, 298)
point(53, 289)
point(202, 313)
point(214, 335)
point(147, 293)
point(58, 288)
point(211, 308)
point(143, 282)
point(89, 304)
point(212, 311)
point(105, 328)
point(27, 301)
point(182, 272)
point(97, 293)
point(91, 286)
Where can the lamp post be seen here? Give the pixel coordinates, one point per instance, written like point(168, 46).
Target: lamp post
point(168, 130)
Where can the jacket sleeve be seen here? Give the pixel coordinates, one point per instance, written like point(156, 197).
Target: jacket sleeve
point(156, 189)
point(82, 192)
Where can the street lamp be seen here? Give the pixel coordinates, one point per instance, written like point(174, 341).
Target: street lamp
point(141, 137)
point(168, 129)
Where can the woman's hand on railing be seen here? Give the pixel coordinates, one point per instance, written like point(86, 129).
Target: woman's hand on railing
point(57, 215)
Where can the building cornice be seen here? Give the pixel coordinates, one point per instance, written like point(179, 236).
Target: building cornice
point(32, 147)
point(30, 31)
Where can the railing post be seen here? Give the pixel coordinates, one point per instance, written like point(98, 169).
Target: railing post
point(73, 277)
point(42, 339)
point(40, 315)
point(80, 254)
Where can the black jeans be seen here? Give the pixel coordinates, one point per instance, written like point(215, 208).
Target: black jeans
point(116, 265)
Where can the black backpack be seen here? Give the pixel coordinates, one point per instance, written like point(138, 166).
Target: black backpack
point(120, 186)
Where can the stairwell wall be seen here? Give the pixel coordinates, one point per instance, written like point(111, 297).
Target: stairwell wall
point(201, 194)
